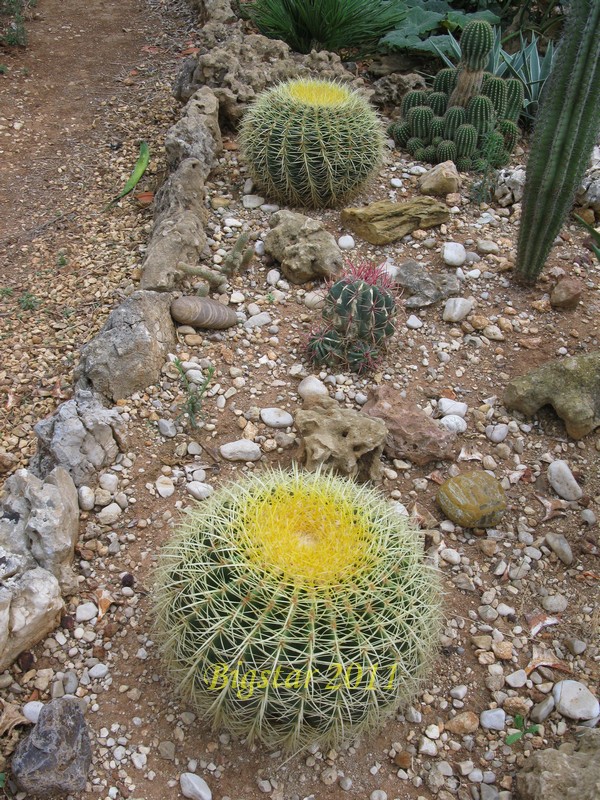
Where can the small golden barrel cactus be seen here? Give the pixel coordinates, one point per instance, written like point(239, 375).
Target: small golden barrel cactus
point(311, 143)
point(295, 608)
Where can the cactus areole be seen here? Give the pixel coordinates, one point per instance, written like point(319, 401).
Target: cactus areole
point(295, 608)
point(311, 143)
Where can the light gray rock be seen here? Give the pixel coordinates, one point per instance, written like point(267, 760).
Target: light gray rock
point(562, 481)
point(454, 254)
point(541, 711)
point(446, 406)
point(86, 612)
point(496, 433)
point(194, 787)
point(346, 242)
point(200, 490)
point(240, 450)
point(487, 247)
point(559, 545)
point(82, 436)
point(130, 350)
point(196, 134)
point(305, 250)
point(453, 423)
point(32, 710)
point(276, 418)
point(109, 481)
point(164, 486)
point(258, 320)
point(575, 701)
point(422, 287)
point(109, 514)
point(456, 309)
point(413, 323)
point(517, 679)
point(167, 428)
point(311, 388)
point(493, 719)
point(555, 603)
point(98, 671)
point(86, 498)
point(251, 201)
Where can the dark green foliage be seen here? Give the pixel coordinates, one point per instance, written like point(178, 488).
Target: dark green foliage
point(463, 164)
point(437, 140)
point(412, 99)
point(400, 133)
point(414, 144)
point(466, 140)
point(480, 113)
point(438, 102)
point(593, 233)
point(566, 129)
point(13, 14)
point(515, 95)
point(437, 128)
point(429, 154)
point(446, 151)
point(325, 24)
point(453, 119)
point(445, 80)
point(532, 71)
point(510, 132)
point(419, 118)
point(495, 89)
point(476, 41)
point(420, 154)
point(479, 164)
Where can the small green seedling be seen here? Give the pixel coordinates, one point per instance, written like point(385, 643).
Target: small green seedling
point(194, 393)
point(29, 302)
point(61, 259)
point(135, 177)
point(519, 723)
point(6, 291)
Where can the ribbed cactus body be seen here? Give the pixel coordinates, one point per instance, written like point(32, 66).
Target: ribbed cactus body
point(466, 140)
point(437, 127)
point(438, 102)
point(463, 163)
point(510, 133)
point(481, 114)
point(419, 118)
point(400, 133)
point(476, 42)
point(293, 129)
point(566, 128)
point(515, 94)
point(360, 309)
point(446, 151)
point(429, 153)
point(414, 144)
point(445, 80)
point(453, 119)
point(295, 608)
point(412, 99)
point(496, 90)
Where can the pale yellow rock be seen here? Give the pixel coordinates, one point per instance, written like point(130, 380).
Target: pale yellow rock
point(384, 221)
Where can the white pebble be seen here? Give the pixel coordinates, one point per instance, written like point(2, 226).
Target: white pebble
point(413, 322)
point(346, 242)
point(194, 787)
point(199, 490)
point(454, 254)
point(561, 479)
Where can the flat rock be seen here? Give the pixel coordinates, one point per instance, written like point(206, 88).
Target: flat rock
point(423, 288)
point(240, 450)
point(570, 385)
point(441, 180)
point(164, 486)
point(575, 701)
point(493, 719)
point(473, 500)
point(463, 723)
point(56, 756)
point(411, 434)
point(384, 221)
point(562, 481)
point(276, 417)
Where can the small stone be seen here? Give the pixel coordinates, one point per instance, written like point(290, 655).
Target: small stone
point(463, 724)
point(441, 180)
point(167, 750)
point(562, 481)
point(276, 418)
point(446, 407)
point(432, 732)
point(575, 646)
point(378, 794)
point(487, 613)
point(109, 481)
point(496, 433)
point(258, 320)
point(240, 450)
point(86, 498)
point(555, 603)
point(199, 490)
point(453, 423)
point(517, 679)
point(575, 701)
point(456, 309)
point(454, 254)
point(487, 247)
point(86, 612)
point(414, 323)
point(109, 514)
point(236, 298)
point(559, 545)
point(98, 671)
point(542, 711)
point(493, 719)
point(567, 293)
point(427, 747)
point(346, 242)
point(32, 710)
point(251, 201)
point(459, 692)
point(194, 787)
point(312, 388)
point(473, 500)
point(166, 428)
point(164, 486)
point(450, 555)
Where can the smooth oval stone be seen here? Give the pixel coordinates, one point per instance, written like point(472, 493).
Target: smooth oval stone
point(561, 479)
point(202, 312)
point(472, 500)
point(453, 423)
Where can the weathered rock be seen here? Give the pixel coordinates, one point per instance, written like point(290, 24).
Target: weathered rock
point(7, 462)
point(202, 312)
point(303, 247)
point(384, 221)
point(82, 436)
point(575, 701)
point(341, 440)
point(510, 185)
point(55, 757)
point(570, 773)
point(41, 519)
point(411, 434)
point(440, 180)
point(567, 293)
point(423, 288)
point(196, 134)
point(474, 499)
point(128, 353)
point(457, 308)
point(571, 386)
point(390, 89)
point(463, 723)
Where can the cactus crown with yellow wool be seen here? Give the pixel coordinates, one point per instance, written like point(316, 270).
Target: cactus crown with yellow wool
point(295, 607)
point(311, 142)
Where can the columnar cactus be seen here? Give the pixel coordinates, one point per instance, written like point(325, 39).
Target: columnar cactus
point(496, 90)
point(295, 608)
point(294, 129)
point(515, 94)
point(400, 133)
point(445, 80)
point(481, 114)
point(412, 99)
point(466, 140)
point(453, 119)
point(510, 132)
point(437, 127)
point(566, 129)
point(446, 151)
point(438, 102)
point(420, 118)
point(476, 42)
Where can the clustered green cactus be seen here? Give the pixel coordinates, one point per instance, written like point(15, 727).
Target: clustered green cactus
point(311, 143)
point(455, 120)
point(360, 313)
point(295, 608)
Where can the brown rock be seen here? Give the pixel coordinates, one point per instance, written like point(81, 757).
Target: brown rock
point(461, 724)
point(473, 500)
point(403, 759)
point(567, 293)
point(517, 705)
point(586, 214)
point(411, 434)
point(503, 650)
point(202, 312)
point(441, 180)
point(7, 462)
point(384, 222)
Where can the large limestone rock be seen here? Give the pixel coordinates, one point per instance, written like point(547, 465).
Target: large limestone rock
point(440, 180)
point(197, 134)
point(390, 89)
point(384, 221)
point(341, 440)
point(54, 759)
point(82, 436)
point(570, 773)
point(411, 434)
point(303, 247)
point(571, 386)
point(128, 353)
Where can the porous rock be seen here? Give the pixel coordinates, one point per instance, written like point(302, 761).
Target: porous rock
point(196, 134)
point(81, 435)
point(440, 180)
point(570, 773)
point(411, 434)
point(571, 386)
point(303, 247)
point(128, 353)
point(384, 221)
point(340, 440)
point(423, 288)
point(55, 757)
point(390, 89)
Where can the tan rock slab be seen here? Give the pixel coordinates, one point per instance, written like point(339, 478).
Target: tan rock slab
point(384, 221)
